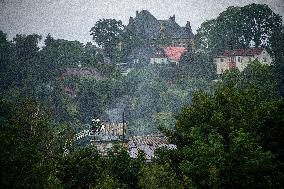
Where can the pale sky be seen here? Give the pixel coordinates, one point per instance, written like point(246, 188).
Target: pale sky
point(72, 19)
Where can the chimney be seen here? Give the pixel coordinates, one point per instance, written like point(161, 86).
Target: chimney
point(137, 13)
point(131, 20)
point(173, 18)
point(188, 26)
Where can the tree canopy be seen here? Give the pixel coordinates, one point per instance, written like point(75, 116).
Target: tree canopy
point(106, 33)
point(239, 27)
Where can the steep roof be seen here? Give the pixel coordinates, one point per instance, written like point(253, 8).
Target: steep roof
point(173, 30)
point(243, 52)
point(146, 26)
point(174, 53)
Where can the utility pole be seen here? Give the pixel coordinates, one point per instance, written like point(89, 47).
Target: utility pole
point(123, 127)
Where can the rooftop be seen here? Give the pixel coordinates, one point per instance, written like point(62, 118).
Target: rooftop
point(146, 26)
point(243, 52)
point(174, 53)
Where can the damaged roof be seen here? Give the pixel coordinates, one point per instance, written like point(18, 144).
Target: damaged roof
point(148, 144)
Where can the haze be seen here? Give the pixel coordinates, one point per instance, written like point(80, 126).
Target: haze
point(72, 19)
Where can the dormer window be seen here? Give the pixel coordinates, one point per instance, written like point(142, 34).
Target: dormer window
point(264, 59)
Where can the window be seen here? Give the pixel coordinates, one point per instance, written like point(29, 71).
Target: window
point(239, 59)
point(264, 59)
point(222, 60)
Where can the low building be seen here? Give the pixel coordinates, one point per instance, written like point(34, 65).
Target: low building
point(240, 58)
point(148, 144)
point(158, 56)
point(144, 55)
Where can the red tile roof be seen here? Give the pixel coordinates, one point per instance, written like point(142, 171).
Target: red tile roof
point(174, 53)
point(243, 52)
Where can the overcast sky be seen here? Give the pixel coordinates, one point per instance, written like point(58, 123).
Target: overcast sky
point(72, 19)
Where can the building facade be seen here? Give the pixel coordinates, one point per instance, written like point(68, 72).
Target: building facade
point(240, 58)
point(161, 41)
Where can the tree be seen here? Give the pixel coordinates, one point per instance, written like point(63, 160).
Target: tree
point(262, 78)
point(86, 168)
point(203, 38)
point(228, 139)
point(238, 27)
point(106, 33)
point(5, 62)
point(28, 151)
point(20, 62)
point(57, 55)
point(278, 52)
point(158, 176)
point(80, 169)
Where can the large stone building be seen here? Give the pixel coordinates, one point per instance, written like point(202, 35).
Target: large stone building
point(240, 58)
point(146, 27)
point(161, 41)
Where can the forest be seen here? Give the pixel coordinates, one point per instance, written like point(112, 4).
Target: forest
point(228, 129)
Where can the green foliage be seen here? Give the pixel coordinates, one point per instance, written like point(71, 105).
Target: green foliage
point(28, 150)
point(237, 27)
point(158, 176)
point(59, 54)
point(195, 64)
point(256, 76)
point(96, 96)
point(164, 120)
point(278, 46)
point(228, 138)
point(81, 169)
point(85, 168)
point(106, 33)
point(19, 60)
point(223, 141)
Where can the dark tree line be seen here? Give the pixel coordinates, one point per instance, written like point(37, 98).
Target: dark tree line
point(229, 135)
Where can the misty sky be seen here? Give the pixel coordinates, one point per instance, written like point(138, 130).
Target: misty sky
point(72, 19)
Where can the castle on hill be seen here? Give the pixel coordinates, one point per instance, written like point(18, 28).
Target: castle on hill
point(146, 26)
point(151, 32)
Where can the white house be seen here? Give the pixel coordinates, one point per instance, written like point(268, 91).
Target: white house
point(240, 58)
point(158, 57)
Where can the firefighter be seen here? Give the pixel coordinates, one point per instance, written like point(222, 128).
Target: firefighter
point(96, 125)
